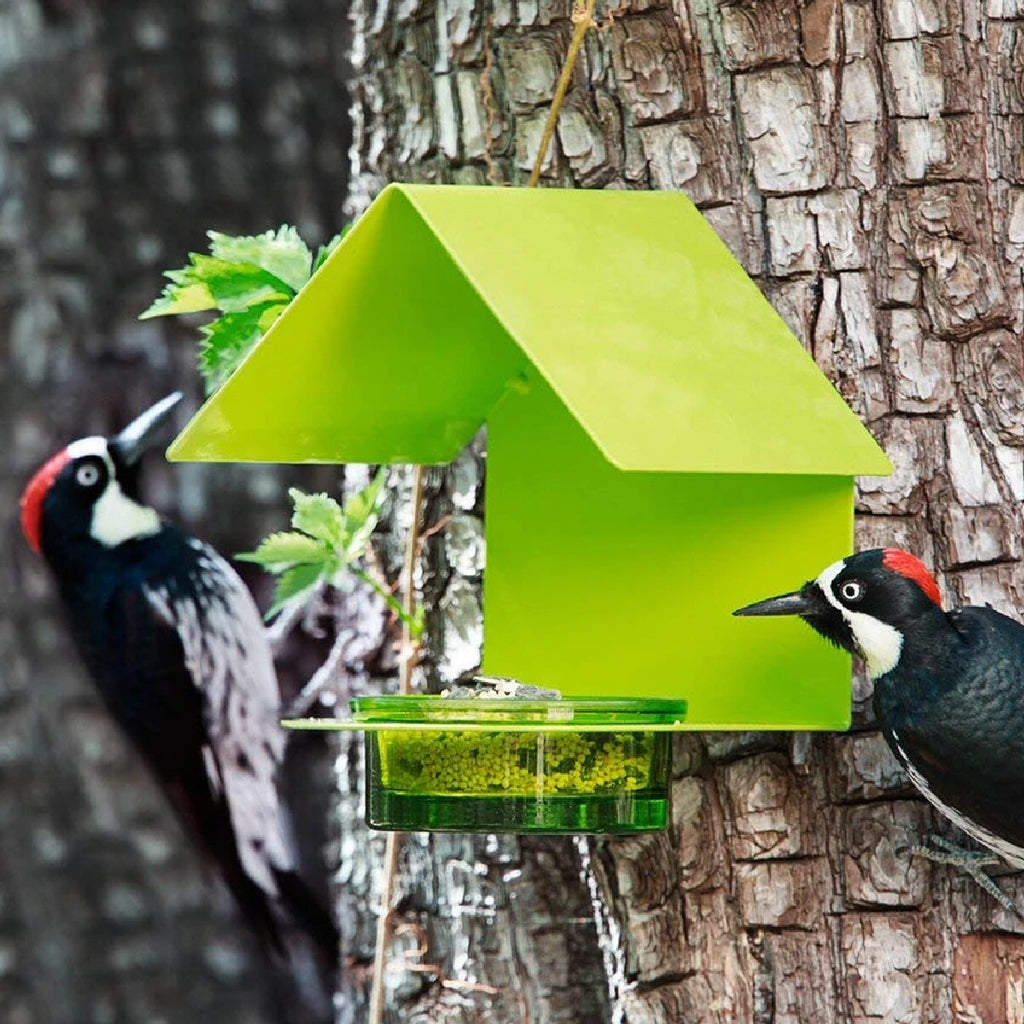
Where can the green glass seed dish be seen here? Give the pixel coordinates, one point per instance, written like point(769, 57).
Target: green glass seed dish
point(576, 765)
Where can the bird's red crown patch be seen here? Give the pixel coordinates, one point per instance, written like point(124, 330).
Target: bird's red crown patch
point(912, 568)
point(33, 496)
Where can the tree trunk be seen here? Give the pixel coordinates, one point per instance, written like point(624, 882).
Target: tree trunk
point(127, 130)
point(863, 161)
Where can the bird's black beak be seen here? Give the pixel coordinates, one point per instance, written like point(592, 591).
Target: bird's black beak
point(140, 435)
point(800, 602)
point(814, 608)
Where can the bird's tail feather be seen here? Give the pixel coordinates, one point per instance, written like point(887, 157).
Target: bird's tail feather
point(310, 941)
point(301, 941)
point(308, 912)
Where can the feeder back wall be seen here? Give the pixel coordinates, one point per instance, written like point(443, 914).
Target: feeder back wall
point(661, 449)
point(603, 582)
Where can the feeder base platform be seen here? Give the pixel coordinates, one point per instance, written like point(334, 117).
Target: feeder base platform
point(418, 812)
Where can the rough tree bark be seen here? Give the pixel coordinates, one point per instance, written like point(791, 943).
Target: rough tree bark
point(863, 160)
point(127, 130)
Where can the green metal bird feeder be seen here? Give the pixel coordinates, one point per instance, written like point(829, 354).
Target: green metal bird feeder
point(661, 448)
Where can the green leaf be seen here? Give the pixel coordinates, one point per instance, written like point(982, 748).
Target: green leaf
point(320, 516)
point(227, 341)
point(280, 551)
point(250, 279)
point(293, 582)
point(283, 253)
point(181, 296)
point(324, 252)
point(362, 512)
point(209, 282)
point(237, 286)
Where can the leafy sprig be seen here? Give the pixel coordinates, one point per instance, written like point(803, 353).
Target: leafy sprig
point(249, 280)
point(326, 541)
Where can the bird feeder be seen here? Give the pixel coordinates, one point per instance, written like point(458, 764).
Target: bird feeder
point(572, 765)
point(661, 449)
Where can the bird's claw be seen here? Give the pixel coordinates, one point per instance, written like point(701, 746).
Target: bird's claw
point(950, 853)
point(970, 862)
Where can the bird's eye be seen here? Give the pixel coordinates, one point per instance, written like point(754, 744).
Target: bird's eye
point(87, 474)
point(852, 590)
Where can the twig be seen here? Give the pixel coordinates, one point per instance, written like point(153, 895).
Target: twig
point(436, 528)
point(416, 965)
point(446, 982)
point(375, 561)
point(412, 928)
point(410, 651)
point(383, 591)
point(282, 626)
point(323, 675)
point(583, 16)
point(377, 999)
point(610, 16)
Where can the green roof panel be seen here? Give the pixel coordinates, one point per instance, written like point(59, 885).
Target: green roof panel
point(386, 356)
point(627, 303)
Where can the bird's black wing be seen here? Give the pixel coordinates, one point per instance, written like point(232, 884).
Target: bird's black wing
point(177, 648)
point(229, 661)
point(229, 665)
point(965, 745)
point(152, 691)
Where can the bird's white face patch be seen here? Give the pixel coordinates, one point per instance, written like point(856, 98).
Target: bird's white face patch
point(879, 643)
point(115, 517)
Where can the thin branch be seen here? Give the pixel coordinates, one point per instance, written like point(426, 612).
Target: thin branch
point(436, 528)
point(277, 633)
point(414, 962)
point(422, 943)
point(377, 995)
point(323, 675)
point(615, 12)
point(385, 594)
point(446, 982)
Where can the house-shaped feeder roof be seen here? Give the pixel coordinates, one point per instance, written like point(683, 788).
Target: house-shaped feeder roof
point(661, 448)
point(626, 303)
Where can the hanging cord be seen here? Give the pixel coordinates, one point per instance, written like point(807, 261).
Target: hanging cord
point(583, 19)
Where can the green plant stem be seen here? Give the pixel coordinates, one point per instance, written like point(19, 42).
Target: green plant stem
point(410, 649)
point(584, 20)
point(411, 630)
point(409, 623)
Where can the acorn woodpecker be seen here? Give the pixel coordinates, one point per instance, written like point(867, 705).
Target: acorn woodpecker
point(948, 690)
point(176, 647)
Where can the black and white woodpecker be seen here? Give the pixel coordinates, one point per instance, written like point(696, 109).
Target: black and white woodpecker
point(948, 691)
point(176, 647)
